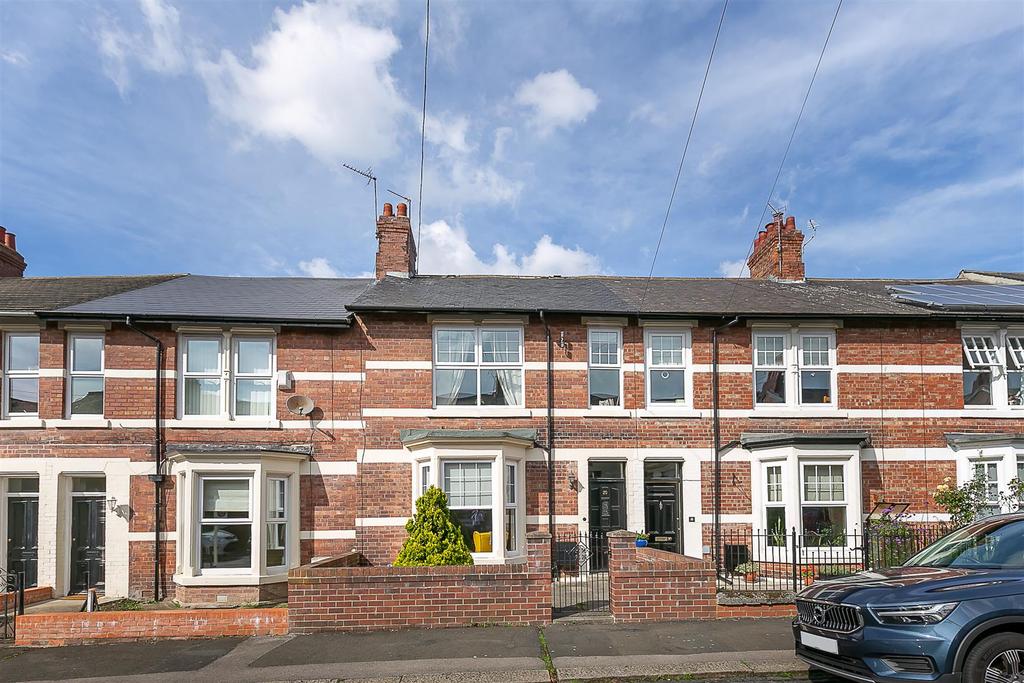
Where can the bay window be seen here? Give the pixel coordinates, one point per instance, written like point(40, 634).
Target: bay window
point(605, 367)
point(21, 374)
point(227, 376)
point(988, 473)
point(666, 355)
point(277, 522)
point(478, 366)
point(85, 374)
point(468, 487)
point(511, 505)
point(237, 515)
point(823, 508)
point(225, 524)
point(775, 506)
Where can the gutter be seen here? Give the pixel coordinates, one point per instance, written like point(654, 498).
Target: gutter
point(717, 431)
point(158, 453)
point(216, 320)
point(551, 429)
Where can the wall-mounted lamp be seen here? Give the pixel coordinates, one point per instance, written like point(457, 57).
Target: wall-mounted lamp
point(112, 504)
point(122, 511)
point(575, 484)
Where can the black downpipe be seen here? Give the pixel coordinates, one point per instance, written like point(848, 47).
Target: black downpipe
point(717, 430)
point(551, 429)
point(158, 455)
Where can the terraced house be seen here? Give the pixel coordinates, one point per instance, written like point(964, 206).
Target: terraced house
point(198, 436)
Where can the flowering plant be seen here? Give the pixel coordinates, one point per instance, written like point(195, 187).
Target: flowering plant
point(964, 502)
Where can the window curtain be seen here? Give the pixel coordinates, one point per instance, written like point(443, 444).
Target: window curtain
point(508, 383)
point(457, 377)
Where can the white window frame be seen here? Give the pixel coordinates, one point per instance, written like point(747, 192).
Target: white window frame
point(804, 502)
point(436, 458)
point(768, 503)
point(1008, 343)
point(9, 374)
point(478, 364)
point(227, 374)
point(510, 502)
point(73, 373)
point(793, 366)
point(237, 375)
point(993, 488)
point(686, 366)
point(591, 365)
point(272, 480)
point(252, 520)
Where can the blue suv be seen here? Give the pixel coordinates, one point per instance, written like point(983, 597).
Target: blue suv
point(952, 613)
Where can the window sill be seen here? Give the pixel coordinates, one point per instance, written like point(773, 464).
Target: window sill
point(669, 412)
point(221, 423)
point(93, 422)
point(229, 579)
point(798, 412)
point(22, 423)
point(479, 412)
point(608, 412)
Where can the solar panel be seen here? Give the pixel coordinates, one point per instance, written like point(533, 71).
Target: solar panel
point(957, 296)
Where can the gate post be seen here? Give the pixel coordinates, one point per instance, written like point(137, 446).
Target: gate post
point(794, 558)
point(538, 551)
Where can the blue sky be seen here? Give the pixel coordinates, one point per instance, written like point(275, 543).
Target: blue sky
point(174, 136)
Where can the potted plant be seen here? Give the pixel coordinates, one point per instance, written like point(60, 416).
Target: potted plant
point(749, 571)
point(808, 574)
point(641, 539)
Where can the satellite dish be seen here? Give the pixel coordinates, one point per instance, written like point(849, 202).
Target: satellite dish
point(300, 405)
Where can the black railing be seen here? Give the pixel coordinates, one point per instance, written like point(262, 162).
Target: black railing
point(580, 573)
point(786, 561)
point(12, 602)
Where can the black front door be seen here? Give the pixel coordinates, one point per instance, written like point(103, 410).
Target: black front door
point(607, 513)
point(88, 536)
point(661, 515)
point(22, 540)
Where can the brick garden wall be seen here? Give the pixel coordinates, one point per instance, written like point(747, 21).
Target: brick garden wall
point(55, 629)
point(337, 596)
point(645, 584)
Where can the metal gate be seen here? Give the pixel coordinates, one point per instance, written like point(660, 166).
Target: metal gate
point(580, 574)
point(12, 602)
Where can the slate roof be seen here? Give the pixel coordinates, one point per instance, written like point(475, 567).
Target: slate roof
point(31, 294)
point(205, 297)
point(625, 295)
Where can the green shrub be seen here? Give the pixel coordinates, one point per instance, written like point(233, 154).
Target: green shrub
point(747, 568)
point(435, 538)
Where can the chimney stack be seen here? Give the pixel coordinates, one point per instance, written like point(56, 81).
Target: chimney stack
point(778, 252)
point(11, 262)
point(396, 249)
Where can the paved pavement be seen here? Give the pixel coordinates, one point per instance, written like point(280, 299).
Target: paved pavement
point(747, 650)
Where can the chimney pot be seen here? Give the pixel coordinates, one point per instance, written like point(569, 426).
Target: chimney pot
point(9, 241)
point(387, 209)
point(403, 210)
point(777, 253)
point(791, 223)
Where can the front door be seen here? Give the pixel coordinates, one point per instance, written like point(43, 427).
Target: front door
point(661, 515)
point(88, 536)
point(22, 543)
point(607, 513)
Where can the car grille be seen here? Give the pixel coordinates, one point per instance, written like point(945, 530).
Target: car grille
point(828, 616)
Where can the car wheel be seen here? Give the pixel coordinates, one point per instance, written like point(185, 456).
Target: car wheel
point(996, 659)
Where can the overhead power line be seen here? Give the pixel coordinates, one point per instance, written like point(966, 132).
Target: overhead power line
point(682, 158)
point(792, 134)
point(423, 138)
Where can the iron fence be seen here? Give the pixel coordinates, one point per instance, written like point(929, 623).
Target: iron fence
point(580, 573)
point(12, 602)
point(786, 561)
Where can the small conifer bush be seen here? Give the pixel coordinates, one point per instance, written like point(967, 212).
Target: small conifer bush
point(435, 538)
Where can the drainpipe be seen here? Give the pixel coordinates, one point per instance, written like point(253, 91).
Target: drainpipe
point(717, 430)
point(551, 429)
point(158, 454)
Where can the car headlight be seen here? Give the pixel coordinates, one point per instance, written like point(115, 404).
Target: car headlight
point(914, 614)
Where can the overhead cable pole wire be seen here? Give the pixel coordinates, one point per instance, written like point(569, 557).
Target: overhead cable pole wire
point(682, 158)
point(792, 135)
point(423, 139)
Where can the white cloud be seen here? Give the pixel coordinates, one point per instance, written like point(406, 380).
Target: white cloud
point(319, 77)
point(157, 49)
point(318, 267)
point(557, 100)
point(13, 57)
point(446, 250)
point(732, 268)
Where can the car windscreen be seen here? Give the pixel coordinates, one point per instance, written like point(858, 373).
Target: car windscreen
point(991, 544)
